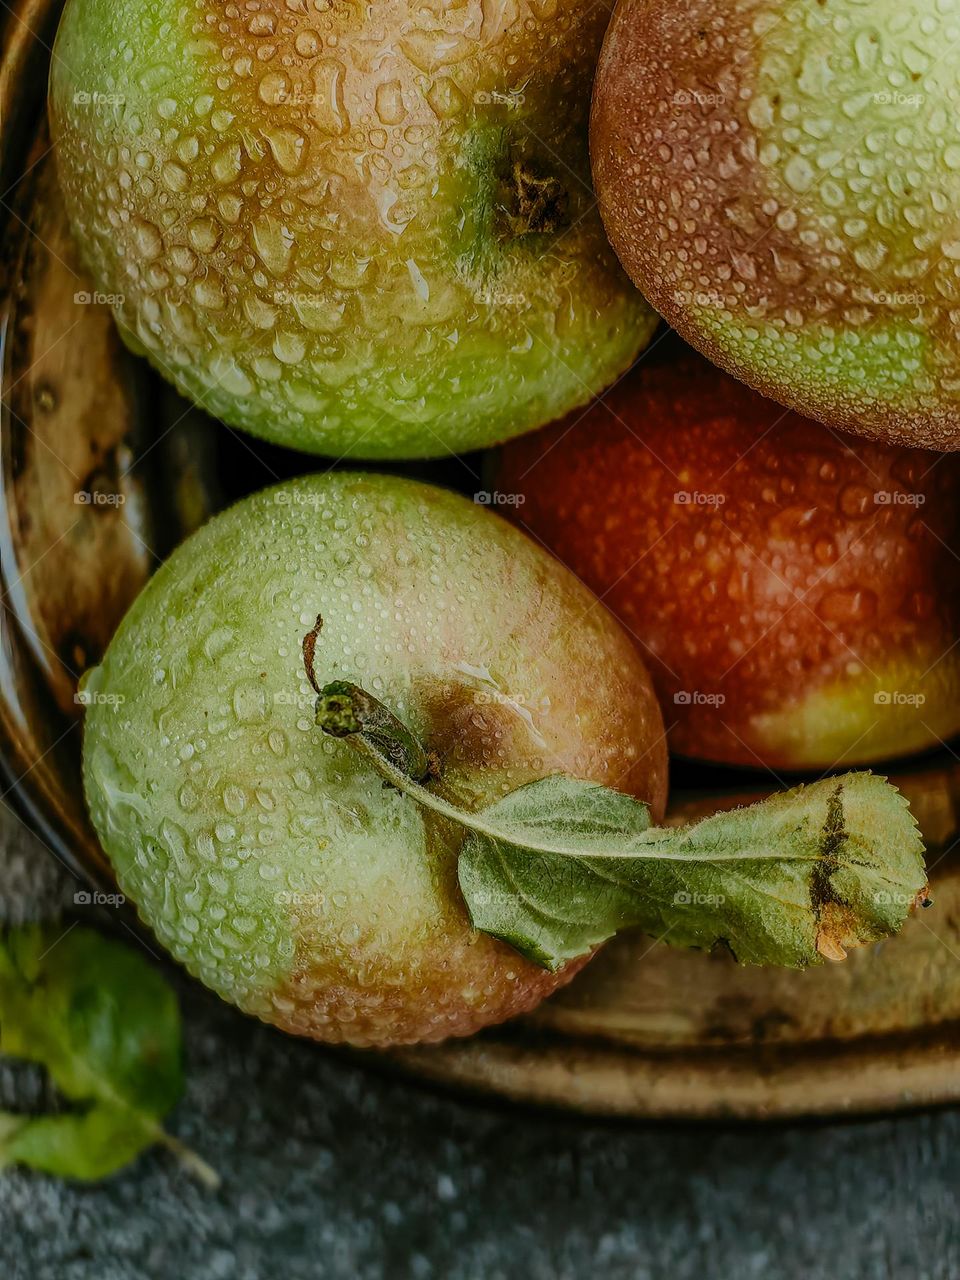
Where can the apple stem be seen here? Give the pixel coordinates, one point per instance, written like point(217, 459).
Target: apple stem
point(309, 646)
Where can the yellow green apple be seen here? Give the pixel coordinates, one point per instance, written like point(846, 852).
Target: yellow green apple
point(270, 859)
point(361, 230)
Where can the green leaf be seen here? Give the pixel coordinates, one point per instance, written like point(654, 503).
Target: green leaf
point(559, 866)
point(553, 906)
point(85, 1145)
point(797, 878)
point(106, 1027)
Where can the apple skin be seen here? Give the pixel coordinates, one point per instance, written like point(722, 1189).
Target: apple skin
point(783, 598)
point(356, 230)
point(785, 193)
point(270, 859)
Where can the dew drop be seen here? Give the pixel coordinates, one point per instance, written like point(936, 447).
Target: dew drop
point(273, 241)
point(855, 501)
point(234, 799)
point(148, 239)
point(274, 88)
point(204, 234)
point(848, 605)
point(249, 702)
point(287, 148)
point(307, 43)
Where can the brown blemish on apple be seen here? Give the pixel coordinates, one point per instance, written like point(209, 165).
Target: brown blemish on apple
point(467, 732)
point(483, 739)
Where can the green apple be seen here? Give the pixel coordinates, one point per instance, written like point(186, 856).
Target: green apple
point(782, 181)
point(362, 230)
point(270, 859)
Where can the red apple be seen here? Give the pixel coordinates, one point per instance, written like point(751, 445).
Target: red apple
point(795, 591)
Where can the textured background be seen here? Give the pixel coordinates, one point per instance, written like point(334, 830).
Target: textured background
point(334, 1170)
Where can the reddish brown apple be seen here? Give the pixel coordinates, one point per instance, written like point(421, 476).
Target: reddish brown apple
point(796, 591)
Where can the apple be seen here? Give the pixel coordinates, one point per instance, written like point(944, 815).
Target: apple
point(269, 859)
point(362, 230)
point(796, 592)
point(783, 186)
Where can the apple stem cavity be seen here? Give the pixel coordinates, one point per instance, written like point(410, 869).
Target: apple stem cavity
point(538, 203)
point(560, 865)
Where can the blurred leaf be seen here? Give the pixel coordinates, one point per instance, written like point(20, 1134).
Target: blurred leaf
point(106, 1027)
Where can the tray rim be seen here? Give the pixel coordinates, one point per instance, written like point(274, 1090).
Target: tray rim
point(766, 1085)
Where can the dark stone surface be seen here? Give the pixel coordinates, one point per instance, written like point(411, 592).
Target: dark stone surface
point(335, 1170)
